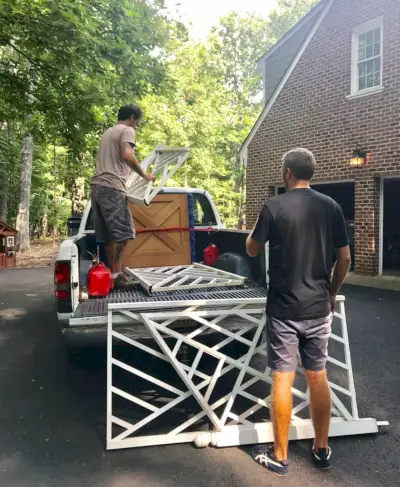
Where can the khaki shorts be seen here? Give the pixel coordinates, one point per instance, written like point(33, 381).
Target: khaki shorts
point(112, 218)
point(310, 337)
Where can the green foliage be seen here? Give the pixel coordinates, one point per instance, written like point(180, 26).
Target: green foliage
point(285, 16)
point(66, 67)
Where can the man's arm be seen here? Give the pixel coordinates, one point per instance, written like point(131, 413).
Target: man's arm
point(343, 257)
point(127, 144)
point(260, 234)
point(128, 155)
point(342, 266)
point(253, 248)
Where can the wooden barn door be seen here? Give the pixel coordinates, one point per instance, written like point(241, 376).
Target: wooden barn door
point(157, 249)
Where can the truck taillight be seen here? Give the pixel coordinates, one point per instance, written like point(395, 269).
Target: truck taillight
point(62, 294)
point(62, 281)
point(61, 273)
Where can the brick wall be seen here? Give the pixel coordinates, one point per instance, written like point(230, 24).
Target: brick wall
point(312, 111)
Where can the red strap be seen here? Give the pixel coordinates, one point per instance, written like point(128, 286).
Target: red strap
point(180, 229)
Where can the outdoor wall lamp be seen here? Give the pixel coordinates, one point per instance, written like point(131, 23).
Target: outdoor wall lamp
point(359, 158)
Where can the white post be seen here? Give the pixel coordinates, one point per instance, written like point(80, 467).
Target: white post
point(381, 218)
point(347, 354)
point(109, 377)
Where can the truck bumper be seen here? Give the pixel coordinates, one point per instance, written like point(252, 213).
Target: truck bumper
point(85, 337)
point(96, 336)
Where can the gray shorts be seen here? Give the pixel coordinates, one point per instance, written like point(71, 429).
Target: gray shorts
point(309, 337)
point(112, 218)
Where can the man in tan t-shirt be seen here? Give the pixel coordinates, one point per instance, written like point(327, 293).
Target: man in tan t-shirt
point(116, 159)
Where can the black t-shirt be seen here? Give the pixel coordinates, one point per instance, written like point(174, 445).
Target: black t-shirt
point(303, 228)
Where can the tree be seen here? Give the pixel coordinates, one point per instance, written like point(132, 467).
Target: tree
point(286, 15)
point(236, 44)
point(62, 60)
point(23, 240)
point(8, 159)
point(71, 64)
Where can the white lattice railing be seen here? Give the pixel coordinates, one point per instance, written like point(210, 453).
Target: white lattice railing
point(227, 381)
point(163, 162)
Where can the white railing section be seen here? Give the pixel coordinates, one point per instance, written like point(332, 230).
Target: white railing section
point(163, 162)
point(183, 277)
point(237, 416)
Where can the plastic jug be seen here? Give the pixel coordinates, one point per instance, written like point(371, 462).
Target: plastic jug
point(210, 255)
point(100, 281)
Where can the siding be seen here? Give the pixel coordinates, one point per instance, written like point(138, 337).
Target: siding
point(278, 63)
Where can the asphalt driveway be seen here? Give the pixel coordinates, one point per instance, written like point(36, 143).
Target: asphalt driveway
point(52, 416)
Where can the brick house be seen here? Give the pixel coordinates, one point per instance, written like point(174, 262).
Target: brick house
point(332, 85)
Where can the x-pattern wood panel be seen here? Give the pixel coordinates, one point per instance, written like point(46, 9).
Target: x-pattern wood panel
point(156, 223)
point(153, 246)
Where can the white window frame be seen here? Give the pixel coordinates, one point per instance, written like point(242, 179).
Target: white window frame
point(10, 241)
point(362, 29)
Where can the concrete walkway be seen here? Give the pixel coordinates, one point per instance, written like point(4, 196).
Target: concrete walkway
point(391, 283)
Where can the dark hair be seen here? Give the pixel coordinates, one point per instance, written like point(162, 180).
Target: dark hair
point(128, 111)
point(301, 162)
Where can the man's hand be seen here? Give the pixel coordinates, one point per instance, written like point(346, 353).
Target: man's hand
point(333, 304)
point(150, 177)
point(253, 248)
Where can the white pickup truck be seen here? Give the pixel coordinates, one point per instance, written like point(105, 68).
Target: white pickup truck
point(83, 322)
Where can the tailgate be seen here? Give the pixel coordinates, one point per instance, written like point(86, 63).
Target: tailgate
point(94, 311)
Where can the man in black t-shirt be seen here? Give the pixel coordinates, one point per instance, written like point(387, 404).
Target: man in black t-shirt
point(304, 229)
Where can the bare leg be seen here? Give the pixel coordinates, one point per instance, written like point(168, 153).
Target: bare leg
point(115, 256)
point(320, 404)
point(119, 248)
point(281, 411)
point(110, 254)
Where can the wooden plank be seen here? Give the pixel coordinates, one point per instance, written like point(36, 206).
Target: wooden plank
point(156, 249)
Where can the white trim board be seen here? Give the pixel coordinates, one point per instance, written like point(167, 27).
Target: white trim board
point(382, 181)
point(268, 106)
point(355, 92)
point(381, 229)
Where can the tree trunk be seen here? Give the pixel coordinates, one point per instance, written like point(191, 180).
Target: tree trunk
point(78, 197)
point(4, 165)
point(44, 229)
point(55, 194)
point(242, 196)
point(23, 239)
point(4, 200)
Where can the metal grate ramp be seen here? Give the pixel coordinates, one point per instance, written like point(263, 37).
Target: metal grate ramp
point(95, 307)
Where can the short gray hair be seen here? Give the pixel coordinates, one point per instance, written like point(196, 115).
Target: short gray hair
point(301, 162)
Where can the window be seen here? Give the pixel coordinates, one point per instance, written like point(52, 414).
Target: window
point(203, 213)
point(10, 241)
point(367, 47)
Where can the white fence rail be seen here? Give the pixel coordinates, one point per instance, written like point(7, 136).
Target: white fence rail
point(220, 382)
point(163, 162)
point(183, 277)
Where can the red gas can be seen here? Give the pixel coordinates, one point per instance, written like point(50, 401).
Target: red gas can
point(210, 255)
point(100, 280)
